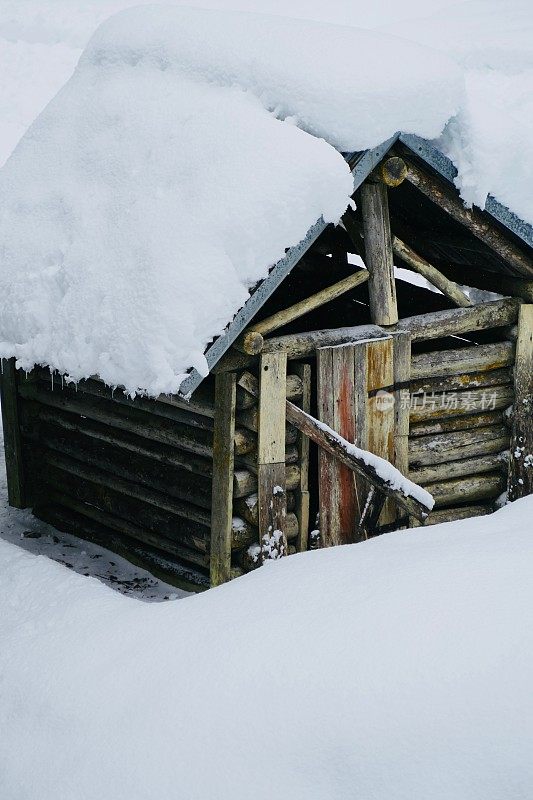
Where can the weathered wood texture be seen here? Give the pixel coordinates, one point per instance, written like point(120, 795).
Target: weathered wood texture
point(337, 406)
point(451, 514)
point(303, 345)
point(271, 488)
point(302, 493)
point(491, 281)
point(444, 363)
point(223, 470)
point(447, 470)
point(428, 271)
point(327, 295)
point(455, 321)
point(471, 218)
point(521, 460)
point(16, 482)
point(456, 445)
point(467, 490)
point(452, 404)
point(378, 253)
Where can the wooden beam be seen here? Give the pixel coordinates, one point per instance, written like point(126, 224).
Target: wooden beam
point(458, 469)
point(521, 461)
point(424, 268)
point(456, 321)
point(453, 404)
point(456, 445)
point(223, 469)
point(478, 224)
point(444, 363)
point(281, 318)
point(303, 345)
point(16, 483)
point(271, 484)
point(487, 486)
point(491, 281)
point(360, 462)
point(302, 493)
point(378, 253)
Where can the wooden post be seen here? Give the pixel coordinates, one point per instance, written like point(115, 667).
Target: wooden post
point(521, 456)
point(223, 468)
point(402, 397)
point(378, 253)
point(336, 405)
point(16, 484)
point(271, 455)
point(302, 494)
point(380, 407)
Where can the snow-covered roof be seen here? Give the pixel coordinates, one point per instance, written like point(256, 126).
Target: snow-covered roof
point(187, 153)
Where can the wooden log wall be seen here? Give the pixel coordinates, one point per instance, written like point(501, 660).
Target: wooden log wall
point(280, 461)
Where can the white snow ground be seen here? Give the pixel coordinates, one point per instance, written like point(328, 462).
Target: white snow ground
point(396, 668)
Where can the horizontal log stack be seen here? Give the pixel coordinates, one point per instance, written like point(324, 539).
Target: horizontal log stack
point(459, 434)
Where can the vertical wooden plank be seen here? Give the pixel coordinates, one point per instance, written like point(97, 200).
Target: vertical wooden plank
point(328, 501)
point(381, 411)
point(302, 495)
point(339, 509)
point(272, 500)
point(378, 253)
point(402, 375)
point(12, 437)
point(521, 458)
point(223, 468)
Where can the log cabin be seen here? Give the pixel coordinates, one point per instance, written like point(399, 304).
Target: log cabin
point(335, 348)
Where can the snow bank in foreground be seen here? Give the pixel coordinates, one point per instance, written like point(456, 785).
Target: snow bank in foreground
point(397, 668)
point(170, 173)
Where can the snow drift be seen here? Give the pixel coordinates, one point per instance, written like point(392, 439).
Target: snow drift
point(396, 668)
point(176, 166)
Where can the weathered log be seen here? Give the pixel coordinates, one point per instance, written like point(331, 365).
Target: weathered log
point(250, 342)
point(247, 507)
point(199, 415)
point(521, 462)
point(161, 523)
point(223, 469)
point(477, 223)
point(326, 438)
point(424, 268)
point(158, 429)
point(243, 533)
point(245, 482)
point(250, 461)
point(441, 515)
point(132, 443)
point(456, 445)
point(479, 358)
point(127, 528)
point(302, 345)
point(469, 380)
point(452, 404)
point(466, 490)
point(461, 423)
point(247, 399)
point(173, 482)
point(118, 484)
point(302, 493)
point(454, 321)
point(16, 480)
point(456, 469)
point(327, 295)
point(392, 171)
point(378, 253)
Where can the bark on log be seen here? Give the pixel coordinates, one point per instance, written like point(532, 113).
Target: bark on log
point(455, 321)
point(442, 363)
point(449, 514)
point(327, 295)
point(446, 447)
point(457, 469)
point(466, 490)
point(452, 404)
point(468, 423)
point(378, 253)
point(302, 345)
point(469, 380)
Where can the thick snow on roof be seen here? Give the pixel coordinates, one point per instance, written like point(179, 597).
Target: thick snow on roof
point(176, 166)
point(395, 668)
